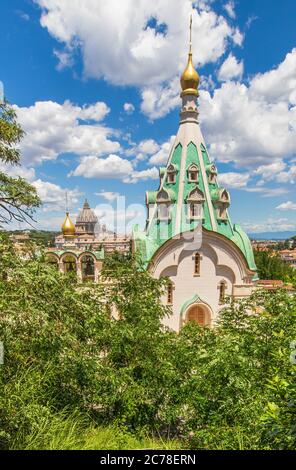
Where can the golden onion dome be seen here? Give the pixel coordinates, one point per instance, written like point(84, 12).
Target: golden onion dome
point(189, 79)
point(68, 228)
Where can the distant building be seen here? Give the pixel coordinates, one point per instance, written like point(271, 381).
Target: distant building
point(81, 247)
point(289, 257)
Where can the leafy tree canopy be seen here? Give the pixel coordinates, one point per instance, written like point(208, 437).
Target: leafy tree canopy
point(18, 198)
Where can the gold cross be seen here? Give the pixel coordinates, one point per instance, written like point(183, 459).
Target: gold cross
point(190, 43)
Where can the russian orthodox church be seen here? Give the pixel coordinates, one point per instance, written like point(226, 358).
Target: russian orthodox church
point(189, 236)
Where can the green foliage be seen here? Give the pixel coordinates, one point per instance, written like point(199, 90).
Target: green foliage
point(18, 198)
point(93, 367)
point(271, 266)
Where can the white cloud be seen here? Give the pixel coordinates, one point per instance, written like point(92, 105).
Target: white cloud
point(161, 157)
point(52, 129)
point(230, 69)
point(270, 225)
point(278, 84)
point(277, 171)
point(148, 146)
point(111, 167)
point(119, 41)
point(136, 176)
point(18, 171)
point(230, 9)
point(65, 59)
point(234, 180)
point(287, 206)
point(53, 196)
point(159, 100)
point(108, 195)
point(267, 192)
point(128, 108)
point(249, 126)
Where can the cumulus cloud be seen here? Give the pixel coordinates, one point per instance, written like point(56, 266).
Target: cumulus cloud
point(278, 171)
point(18, 171)
point(52, 129)
point(234, 180)
point(230, 69)
point(128, 108)
point(229, 7)
point(53, 196)
point(108, 195)
point(162, 155)
point(287, 206)
point(248, 126)
point(150, 38)
point(148, 174)
point(112, 167)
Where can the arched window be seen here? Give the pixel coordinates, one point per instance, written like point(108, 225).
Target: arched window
point(197, 264)
point(212, 172)
point(222, 202)
point(222, 291)
point(170, 293)
point(69, 262)
point(163, 205)
point(195, 204)
point(193, 173)
point(171, 174)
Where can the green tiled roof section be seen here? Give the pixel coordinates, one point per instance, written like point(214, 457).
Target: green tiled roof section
point(151, 197)
point(162, 231)
point(243, 242)
point(226, 228)
point(192, 157)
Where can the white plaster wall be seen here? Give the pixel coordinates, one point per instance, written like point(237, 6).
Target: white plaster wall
point(220, 261)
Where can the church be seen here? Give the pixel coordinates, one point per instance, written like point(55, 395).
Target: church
point(189, 237)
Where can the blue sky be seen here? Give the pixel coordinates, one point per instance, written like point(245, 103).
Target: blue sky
point(96, 87)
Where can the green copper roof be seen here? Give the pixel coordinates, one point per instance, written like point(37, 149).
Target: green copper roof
point(189, 179)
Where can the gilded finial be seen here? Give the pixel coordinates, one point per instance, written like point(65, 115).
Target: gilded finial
point(190, 77)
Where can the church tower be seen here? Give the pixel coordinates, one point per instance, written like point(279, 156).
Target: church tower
point(189, 236)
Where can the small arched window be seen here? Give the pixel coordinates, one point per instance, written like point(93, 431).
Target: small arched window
point(170, 293)
point(163, 205)
point(222, 292)
point(195, 204)
point(197, 264)
point(171, 174)
point(193, 173)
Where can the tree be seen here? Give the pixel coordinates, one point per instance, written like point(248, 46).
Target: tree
point(18, 198)
point(271, 266)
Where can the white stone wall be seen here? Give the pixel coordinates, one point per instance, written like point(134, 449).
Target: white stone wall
point(220, 261)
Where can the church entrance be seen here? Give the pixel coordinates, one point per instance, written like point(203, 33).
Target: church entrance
point(198, 313)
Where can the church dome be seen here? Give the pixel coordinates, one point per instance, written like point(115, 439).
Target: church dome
point(68, 228)
point(190, 78)
point(86, 215)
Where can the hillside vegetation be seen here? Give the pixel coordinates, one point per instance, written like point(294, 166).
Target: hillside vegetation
point(74, 377)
